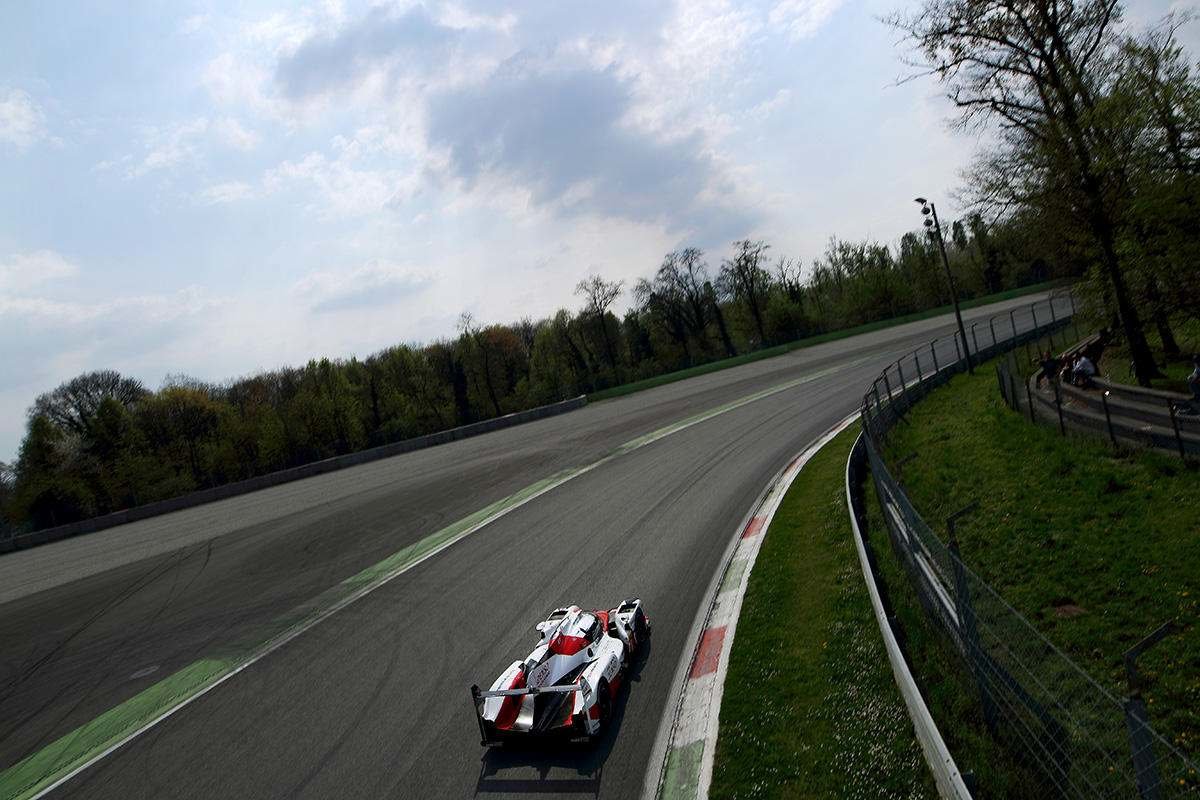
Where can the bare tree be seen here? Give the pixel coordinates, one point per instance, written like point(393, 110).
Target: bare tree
point(744, 277)
point(73, 405)
point(667, 310)
point(598, 296)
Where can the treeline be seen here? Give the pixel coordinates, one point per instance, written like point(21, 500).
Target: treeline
point(102, 441)
point(1094, 133)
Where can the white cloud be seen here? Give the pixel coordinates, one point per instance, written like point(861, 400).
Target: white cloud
point(769, 106)
point(803, 18)
point(136, 309)
point(236, 81)
point(230, 132)
point(455, 16)
point(21, 119)
point(343, 188)
point(228, 192)
point(194, 24)
point(22, 271)
point(168, 147)
point(375, 283)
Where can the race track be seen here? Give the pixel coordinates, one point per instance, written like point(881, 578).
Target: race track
point(373, 701)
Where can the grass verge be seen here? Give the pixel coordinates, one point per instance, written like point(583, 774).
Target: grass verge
point(945, 683)
point(1095, 548)
point(778, 350)
point(810, 707)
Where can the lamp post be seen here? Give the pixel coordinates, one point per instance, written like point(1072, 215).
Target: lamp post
point(929, 209)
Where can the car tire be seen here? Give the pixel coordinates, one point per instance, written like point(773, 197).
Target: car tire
point(604, 702)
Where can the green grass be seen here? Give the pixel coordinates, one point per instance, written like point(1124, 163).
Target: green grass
point(810, 707)
point(778, 350)
point(1115, 362)
point(943, 677)
point(1095, 548)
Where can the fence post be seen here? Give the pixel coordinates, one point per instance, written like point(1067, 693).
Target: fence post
point(903, 385)
point(1033, 311)
point(1000, 380)
point(933, 352)
point(917, 362)
point(1052, 317)
point(992, 326)
point(1012, 320)
point(1071, 297)
point(1029, 399)
point(1175, 425)
point(1012, 383)
point(957, 350)
point(975, 339)
point(1062, 428)
point(1108, 418)
point(968, 631)
point(1137, 721)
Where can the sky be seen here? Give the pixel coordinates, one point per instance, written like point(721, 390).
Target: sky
point(216, 189)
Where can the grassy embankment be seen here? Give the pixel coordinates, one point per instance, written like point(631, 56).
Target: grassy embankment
point(778, 350)
point(810, 707)
point(1115, 363)
point(1095, 548)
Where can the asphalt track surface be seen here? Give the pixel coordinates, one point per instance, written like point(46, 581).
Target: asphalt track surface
point(373, 701)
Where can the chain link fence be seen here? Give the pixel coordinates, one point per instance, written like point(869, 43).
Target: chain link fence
point(1037, 704)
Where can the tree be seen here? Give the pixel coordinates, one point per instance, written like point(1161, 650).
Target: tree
point(476, 343)
point(1040, 70)
point(744, 277)
point(598, 296)
point(665, 311)
point(179, 421)
point(72, 406)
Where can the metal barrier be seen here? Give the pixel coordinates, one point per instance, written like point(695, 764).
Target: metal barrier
point(1118, 414)
point(1037, 704)
point(21, 541)
point(950, 782)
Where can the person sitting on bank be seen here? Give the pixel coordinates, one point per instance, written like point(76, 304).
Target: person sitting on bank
point(1083, 372)
point(1050, 366)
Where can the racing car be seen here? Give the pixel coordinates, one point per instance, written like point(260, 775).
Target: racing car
point(568, 683)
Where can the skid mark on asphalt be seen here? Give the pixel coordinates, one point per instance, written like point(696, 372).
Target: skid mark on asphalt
point(58, 762)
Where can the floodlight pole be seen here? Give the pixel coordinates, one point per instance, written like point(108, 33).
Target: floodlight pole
point(927, 207)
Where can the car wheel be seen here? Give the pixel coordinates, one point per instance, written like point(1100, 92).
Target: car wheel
point(604, 702)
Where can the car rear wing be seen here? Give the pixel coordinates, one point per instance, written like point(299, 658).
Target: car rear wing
point(478, 693)
point(486, 733)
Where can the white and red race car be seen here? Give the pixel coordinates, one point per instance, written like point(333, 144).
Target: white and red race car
point(568, 683)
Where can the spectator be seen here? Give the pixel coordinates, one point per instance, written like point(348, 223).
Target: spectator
point(1050, 367)
point(1083, 372)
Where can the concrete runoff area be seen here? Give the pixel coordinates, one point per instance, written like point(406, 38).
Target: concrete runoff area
point(374, 699)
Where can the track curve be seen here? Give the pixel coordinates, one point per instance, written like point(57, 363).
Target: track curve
point(373, 701)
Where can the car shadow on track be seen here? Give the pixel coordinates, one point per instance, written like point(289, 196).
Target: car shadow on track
point(561, 766)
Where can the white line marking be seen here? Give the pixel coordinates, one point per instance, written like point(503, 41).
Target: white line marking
point(274, 644)
point(708, 689)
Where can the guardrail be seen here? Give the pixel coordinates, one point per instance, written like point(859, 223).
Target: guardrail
point(950, 782)
point(32, 539)
point(1038, 704)
point(1122, 415)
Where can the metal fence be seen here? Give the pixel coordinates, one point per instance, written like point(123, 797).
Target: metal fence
point(1152, 420)
point(1038, 705)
